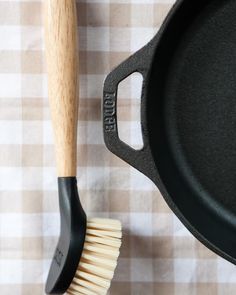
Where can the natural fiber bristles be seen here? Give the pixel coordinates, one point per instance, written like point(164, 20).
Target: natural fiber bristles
point(99, 258)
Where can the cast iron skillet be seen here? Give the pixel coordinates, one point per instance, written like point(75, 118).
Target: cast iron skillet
point(188, 118)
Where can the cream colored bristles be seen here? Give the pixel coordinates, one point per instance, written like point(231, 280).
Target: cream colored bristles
point(105, 241)
point(99, 258)
point(105, 222)
point(100, 233)
point(91, 278)
point(109, 251)
point(100, 271)
point(89, 285)
point(82, 290)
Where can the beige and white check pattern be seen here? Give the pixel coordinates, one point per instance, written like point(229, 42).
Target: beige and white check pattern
point(159, 256)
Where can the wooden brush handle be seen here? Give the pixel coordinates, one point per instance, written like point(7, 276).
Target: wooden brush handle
point(62, 62)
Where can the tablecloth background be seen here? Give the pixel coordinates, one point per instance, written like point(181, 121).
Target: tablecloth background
point(158, 255)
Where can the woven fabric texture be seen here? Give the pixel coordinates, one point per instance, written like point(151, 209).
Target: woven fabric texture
point(159, 256)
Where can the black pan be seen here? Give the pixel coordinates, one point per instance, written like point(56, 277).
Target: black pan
point(188, 118)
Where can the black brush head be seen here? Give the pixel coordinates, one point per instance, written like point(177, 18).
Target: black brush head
point(72, 237)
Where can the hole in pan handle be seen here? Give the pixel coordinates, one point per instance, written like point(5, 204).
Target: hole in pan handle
point(140, 159)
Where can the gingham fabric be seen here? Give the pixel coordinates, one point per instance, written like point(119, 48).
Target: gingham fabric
point(159, 256)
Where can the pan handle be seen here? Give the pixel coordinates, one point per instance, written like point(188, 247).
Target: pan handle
point(139, 159)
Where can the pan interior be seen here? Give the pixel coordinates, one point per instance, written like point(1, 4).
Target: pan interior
point(192, 116)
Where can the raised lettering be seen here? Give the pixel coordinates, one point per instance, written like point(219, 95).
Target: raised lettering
point(110, 112)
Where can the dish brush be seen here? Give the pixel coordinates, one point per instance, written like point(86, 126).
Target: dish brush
point(87, 251)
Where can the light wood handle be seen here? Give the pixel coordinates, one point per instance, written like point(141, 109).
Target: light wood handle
point(62, 67)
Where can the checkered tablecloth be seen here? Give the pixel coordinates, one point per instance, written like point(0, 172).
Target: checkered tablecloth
point(158, 256)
